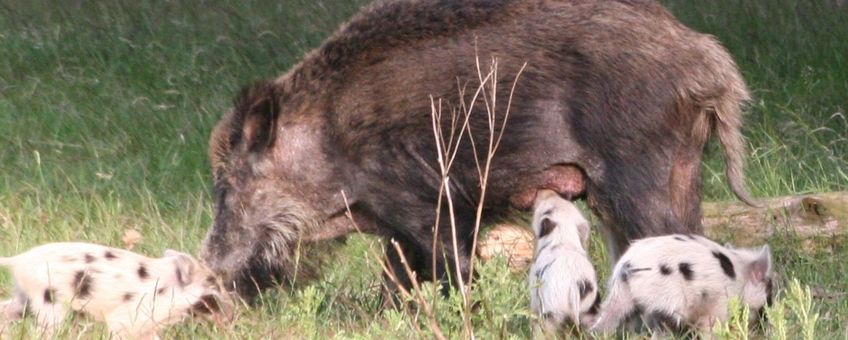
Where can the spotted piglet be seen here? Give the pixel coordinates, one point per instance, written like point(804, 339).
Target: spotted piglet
point(677, 282)
point(135, 295)
point(563, 285)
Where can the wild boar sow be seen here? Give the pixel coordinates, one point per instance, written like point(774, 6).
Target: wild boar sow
point(618, 90)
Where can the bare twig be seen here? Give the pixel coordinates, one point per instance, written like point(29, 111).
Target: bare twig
point(493, 148)
point(446, 153)
point(448, 148)
point(419, 298)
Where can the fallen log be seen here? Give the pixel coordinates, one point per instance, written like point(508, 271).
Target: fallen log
point(808, 217)
point(510, 240)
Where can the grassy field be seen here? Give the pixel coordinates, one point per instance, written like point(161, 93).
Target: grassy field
point(105, 109)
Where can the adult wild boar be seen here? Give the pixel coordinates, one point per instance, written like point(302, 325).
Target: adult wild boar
point(617, 89)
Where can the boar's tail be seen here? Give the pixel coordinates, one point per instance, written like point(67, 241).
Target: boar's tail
point(720, 102)
point(728, 123)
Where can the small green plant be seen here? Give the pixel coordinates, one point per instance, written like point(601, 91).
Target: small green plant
point(799, 300)
point(791, 317)
point(736, 327)
point(778, 327)
point(305, 308)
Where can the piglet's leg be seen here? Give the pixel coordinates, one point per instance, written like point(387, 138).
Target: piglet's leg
point(11, 310)
point(711, 312)
point(547, 325)
point(126, 322)
point(123, 334)
point(566, 180)
point(6, 316)
point(618, 305)
point(119, 322)
point(14, 308)
point(48, 316)
point(126, 334)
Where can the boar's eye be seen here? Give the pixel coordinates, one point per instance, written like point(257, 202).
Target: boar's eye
point(217, 174)
point(221, 192)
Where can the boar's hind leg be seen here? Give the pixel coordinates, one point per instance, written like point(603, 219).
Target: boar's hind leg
point(635, 201)
point(684, 185)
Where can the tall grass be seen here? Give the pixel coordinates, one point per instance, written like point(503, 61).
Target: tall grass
point(105, 108)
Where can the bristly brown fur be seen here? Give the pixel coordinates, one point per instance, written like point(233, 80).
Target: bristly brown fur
point(369, 33)
point(619, 89)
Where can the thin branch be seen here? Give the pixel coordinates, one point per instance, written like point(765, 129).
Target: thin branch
point(431, 316)
point(485, 176)
point(447, 150)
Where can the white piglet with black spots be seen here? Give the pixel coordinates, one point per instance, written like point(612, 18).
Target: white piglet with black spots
point(678, 282)
point(562, 280)
point(135, 295)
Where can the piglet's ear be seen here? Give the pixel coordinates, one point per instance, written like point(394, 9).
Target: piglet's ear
point(760, 268)
point(172, 253)
point(547, 226)
point(584, 231)
point(183, 266)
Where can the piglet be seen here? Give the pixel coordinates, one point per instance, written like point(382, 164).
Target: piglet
point(677, 282)
point(135, 295)
point(563, 285)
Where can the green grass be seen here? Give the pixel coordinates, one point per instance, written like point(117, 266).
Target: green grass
point(105, 108)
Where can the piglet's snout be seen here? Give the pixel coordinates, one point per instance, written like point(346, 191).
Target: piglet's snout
point(216, 307)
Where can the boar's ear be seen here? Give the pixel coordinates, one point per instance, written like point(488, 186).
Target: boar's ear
point(219, 144)
point(183, 266)
point(760, 268)
point(257, 109)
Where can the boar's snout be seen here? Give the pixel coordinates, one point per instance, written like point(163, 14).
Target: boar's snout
point(226, 250)
point(241, 255)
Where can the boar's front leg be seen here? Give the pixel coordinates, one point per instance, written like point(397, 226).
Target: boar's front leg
point(399, 265)
point(418, 258)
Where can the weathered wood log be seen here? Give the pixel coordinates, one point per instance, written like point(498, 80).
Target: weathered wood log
point(807, 216)
point(513, 241)
point(811, 216)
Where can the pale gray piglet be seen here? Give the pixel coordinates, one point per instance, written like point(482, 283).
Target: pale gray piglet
point(562, 280)
point(676, 282)
point(135, 295)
